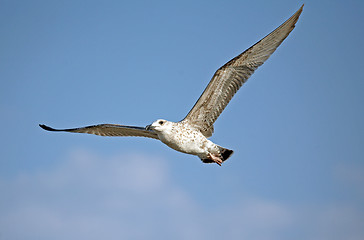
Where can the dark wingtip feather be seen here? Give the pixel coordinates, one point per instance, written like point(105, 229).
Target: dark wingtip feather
point(45, 127)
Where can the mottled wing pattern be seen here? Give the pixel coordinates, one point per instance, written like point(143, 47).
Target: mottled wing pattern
point(112, 130)
point(229, 78)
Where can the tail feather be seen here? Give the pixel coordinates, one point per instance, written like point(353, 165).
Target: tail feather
point(224, 152)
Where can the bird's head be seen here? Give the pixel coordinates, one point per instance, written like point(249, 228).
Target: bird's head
point(160, 125)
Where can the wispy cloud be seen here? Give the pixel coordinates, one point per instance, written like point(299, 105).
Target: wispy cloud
point(135, 196)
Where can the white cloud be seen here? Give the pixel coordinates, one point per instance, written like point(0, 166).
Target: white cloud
point(135, 197)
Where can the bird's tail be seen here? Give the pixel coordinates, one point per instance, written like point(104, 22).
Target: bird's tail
point(225, 153)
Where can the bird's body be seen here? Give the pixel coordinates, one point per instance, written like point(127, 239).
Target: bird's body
point(191, 134)
point(183, 137)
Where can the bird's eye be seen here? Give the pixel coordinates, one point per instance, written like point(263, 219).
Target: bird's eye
point(161, 123)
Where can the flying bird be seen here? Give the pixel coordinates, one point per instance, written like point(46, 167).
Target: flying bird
point(191, 134)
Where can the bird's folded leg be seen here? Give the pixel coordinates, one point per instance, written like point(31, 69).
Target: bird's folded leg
point(214, 158)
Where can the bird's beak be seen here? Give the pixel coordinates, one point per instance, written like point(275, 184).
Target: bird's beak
point(148, 127)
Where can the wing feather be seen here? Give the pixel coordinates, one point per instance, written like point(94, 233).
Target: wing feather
point(111, 130)
point(229, 78)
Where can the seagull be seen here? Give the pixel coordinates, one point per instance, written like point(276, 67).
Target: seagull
point(191, 134)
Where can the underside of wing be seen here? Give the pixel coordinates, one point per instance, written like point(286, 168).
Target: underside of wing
point(111, 130)
point(229, 78)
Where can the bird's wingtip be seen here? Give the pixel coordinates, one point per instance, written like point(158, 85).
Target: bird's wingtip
point(45, 127)
point(301, 8)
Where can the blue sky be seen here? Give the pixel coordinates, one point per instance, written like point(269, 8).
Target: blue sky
point(296, 127)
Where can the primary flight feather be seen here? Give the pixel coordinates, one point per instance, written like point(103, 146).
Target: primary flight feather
point(190, 135)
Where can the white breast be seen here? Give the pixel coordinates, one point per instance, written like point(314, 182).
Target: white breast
point(185, 139)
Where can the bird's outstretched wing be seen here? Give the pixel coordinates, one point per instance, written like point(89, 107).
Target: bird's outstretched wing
point(112, 130)
point(229, 78)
